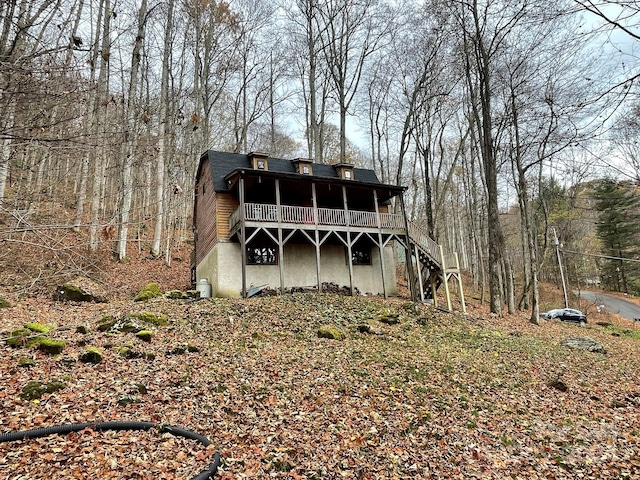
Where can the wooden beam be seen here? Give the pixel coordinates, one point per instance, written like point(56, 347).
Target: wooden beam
point(280, 244)
point(349, 244)
point(314, 198)
point(380, 244)
point(412, 283)
point(243, 233)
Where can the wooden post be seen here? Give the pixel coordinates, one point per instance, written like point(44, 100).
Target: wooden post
point(314, 198)
point(380, 247)
point(415, 249)
point(459, 275)
point(280, 244)
point(349, 251)
point(243, 236)
point(412, 283)
point(445, 278)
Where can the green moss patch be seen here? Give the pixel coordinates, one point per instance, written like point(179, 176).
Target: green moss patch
point(331, 332)
point(145, 335)
point(39, 327)
point(35, 389)
point(4, 303)
point(51, 345)
point(150, 318)
point(152, 290)
point(91, 355)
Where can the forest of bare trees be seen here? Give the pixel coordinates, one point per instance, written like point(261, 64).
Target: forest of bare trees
point(495, 114)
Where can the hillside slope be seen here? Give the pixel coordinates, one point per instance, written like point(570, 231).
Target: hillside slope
point(432, 396)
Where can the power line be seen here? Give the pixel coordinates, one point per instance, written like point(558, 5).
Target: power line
point(601, 256)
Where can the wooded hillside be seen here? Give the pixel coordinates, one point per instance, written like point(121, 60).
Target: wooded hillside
point(496, 116)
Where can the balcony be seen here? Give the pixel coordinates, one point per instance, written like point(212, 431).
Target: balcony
point(268, 215)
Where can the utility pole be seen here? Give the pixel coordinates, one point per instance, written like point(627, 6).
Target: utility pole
point(564, 284)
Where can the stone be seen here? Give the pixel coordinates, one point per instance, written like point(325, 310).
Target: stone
point(584, 343)
point(331, 332)
point(79, 290)
point(91, 355)
point(150, 291)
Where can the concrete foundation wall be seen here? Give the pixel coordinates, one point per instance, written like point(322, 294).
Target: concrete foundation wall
point(222, 267)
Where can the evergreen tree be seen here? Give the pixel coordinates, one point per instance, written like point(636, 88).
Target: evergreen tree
point(618, 228)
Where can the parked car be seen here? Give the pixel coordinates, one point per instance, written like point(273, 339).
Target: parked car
point(565, 315)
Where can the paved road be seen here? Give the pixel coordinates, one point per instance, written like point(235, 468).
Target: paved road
point(613, 304)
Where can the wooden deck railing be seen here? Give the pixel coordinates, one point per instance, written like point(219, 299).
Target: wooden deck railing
point(288, 214)
point(258, 212)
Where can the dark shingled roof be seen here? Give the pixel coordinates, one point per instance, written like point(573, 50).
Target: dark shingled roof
point(223, 163)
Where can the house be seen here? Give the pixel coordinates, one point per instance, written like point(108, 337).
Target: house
point(260, 220)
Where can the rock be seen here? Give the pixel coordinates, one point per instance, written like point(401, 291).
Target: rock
point(364, 328)
point(91, 355)
point(331, 332)
point(106, 323)
point(51, 345)
point(33, 390)
point(25, 362)
point(83, 329)
point(150, 318)
point(584, 343)
point(79, 290)
point(152, 290)
point(558, 385)
point(39, 327)
point(176, 295)
point(145, 335)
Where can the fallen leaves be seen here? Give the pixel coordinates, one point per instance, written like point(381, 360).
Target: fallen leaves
point(434, 395)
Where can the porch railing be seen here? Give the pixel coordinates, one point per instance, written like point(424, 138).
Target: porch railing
point(258, 212)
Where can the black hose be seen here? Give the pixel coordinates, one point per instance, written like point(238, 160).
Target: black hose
point(103, 426)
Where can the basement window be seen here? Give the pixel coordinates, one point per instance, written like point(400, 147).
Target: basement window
point(361, 254)
point(262, 255)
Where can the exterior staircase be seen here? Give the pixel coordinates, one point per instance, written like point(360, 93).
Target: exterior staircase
point(433, 267)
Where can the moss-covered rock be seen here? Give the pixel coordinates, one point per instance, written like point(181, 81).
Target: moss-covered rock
point(83, 329)
point(145, 335)
point(150, 318)
point(35, 389)
point(39, 327)
point(176, 295)
point(4, 303)
point(152, 290)
point(106, 323)
point(19, 338)
point(91, 355)
point(331, 332)
point(73, 292)
point(51, 345)
point(25, 362)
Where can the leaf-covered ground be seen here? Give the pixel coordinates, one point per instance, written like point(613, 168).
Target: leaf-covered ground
point(432, 396)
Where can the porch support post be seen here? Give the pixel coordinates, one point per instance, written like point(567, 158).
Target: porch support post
point(445, 278)
point(412, 283)
point(349, 252)
point(380, 247)
point(280, 244)
point(459, 277)
point(243, 236)
point(415, 249)
point(314, 198)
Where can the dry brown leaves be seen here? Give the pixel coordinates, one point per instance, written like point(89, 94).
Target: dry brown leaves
point(435, 396)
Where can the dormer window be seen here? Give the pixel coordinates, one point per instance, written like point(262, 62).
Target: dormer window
point(344, 171)
point(259, 161)
point(303, 166)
